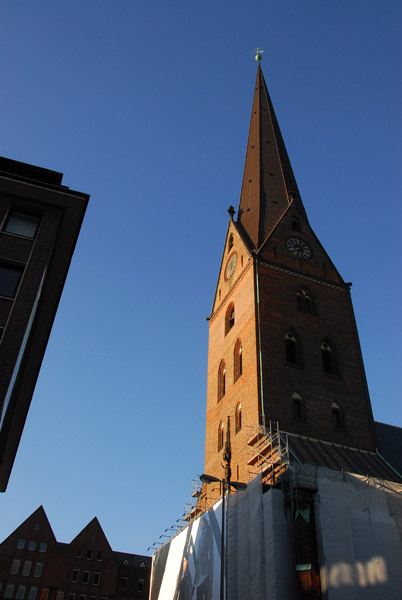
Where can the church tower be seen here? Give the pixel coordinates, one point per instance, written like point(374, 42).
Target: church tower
point(283, 343)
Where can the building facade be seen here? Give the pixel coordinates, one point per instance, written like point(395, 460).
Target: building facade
point(284, 351)
point(35, 566)
point(40, 220)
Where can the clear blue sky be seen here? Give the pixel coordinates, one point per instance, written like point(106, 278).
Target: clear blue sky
point(146, 106)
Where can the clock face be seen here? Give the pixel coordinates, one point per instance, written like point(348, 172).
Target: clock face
point(298, 248)
point(231, 265)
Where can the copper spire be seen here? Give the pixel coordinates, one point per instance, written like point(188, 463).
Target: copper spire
point(269, 185)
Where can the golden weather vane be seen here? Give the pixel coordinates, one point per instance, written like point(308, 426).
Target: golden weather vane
point(258, 53)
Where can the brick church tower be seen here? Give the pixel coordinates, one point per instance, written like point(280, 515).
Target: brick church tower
point(283, 343)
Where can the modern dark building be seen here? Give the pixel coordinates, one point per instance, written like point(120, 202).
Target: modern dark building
point(40, 220)
point(34, 566)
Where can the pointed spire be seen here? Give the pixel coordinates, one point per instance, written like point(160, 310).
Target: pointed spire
point(269, 185)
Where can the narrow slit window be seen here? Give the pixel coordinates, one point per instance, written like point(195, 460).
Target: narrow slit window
point(238, 417)
point(238, 360)
point(221, 380)
point(291, 348)
point(220, 436)
point(229, 318)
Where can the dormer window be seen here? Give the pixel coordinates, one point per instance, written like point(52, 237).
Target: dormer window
point(230, 242)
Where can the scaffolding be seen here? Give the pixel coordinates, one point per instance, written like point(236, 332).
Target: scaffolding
point(267, 452)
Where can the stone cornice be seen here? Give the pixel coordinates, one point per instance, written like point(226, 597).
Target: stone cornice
point(302, 276)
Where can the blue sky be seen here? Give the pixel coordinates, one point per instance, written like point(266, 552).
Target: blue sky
point(146, 107)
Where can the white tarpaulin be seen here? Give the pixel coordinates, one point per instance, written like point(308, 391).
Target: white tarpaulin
point(359, 539)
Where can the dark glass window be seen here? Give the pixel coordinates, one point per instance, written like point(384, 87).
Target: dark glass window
point(238, 360)
point(329, 357)
point(291, 349)
point(140, 585)
point(124, 581)
point(21, 224)
point(221, 380)
point(220, 436)
point(10, 277)
point(229, 318)
point(230, 242)
point(296, 224)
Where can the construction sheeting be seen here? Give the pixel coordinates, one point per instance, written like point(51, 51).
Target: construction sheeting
point(258, 549)
point(359, 535)
point(188, 567)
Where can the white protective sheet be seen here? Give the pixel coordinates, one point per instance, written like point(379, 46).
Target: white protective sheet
point(278, 548)
point(245, 545)
point(359, 539)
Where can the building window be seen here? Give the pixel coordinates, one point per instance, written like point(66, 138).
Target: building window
point(21, 544)
point(238, 360)
point(71, 596)
point(44, 593)
point(141, 585)
point(90, 554)
point(42, 547)
point(20, 592)
point(15, 567)
point(99, 556)
point(97, 576)
point(78, 553)
point(60, 595)
point(238, 417)
point(86, 576)
point(19, 223)
point(229, 318)
point(337, 417)
point(32, 545)
point(9, 590)
point(305, 302)
point(27, 568)
point(124, 581)
point(32, 593)
point(75, 575)
point(10, 277)
point(328, 357)
point(297, 408)
point(38, 569)
point(142, 565)
point(82, 597)
point(295, 224)
point(220, 436)
point(230, 242)
point(221, 380)
point(292, 354)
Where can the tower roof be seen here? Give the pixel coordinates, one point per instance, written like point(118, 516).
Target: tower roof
point(269, 186)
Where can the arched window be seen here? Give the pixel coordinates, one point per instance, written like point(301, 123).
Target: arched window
point(229, 318)
point(305, 302)
point(221, 380)
point(337, 417)
point(297, 407)
point(328, 357)
point(238, 360)
point(230, 242)
point(292, 354)
point(238, 417)
point(220, 436)
point(295, 224)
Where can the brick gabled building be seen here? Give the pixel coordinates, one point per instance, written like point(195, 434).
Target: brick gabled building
point(35, 566)
point(284, 350)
